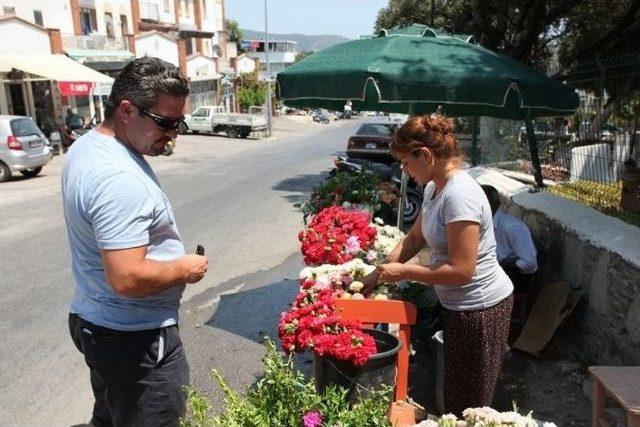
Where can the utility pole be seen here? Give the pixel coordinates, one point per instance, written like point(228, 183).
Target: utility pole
point(266, 49)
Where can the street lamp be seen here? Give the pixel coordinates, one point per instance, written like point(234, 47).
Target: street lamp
point(266, 46)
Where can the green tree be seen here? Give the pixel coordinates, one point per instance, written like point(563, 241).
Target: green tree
point(251, 90)
point(234, 33)
point(523, 29)
point(301, 55)
point(600, 54)
point(578, 39)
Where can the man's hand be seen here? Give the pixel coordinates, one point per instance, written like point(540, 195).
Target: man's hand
point(391, 272)
point(196, 267)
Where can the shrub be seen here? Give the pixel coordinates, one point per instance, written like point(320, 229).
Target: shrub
point(285, 397)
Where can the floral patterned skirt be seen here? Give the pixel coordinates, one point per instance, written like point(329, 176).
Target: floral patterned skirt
point(474, 347)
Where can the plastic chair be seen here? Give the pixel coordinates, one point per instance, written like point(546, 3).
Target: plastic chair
point(371, 312)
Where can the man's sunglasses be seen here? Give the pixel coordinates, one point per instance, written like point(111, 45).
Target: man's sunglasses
point(164, 123)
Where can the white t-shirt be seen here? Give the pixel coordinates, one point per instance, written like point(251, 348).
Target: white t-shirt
point(462, 199)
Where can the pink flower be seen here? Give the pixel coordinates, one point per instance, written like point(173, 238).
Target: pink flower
point(352, 247)
point(312, 419)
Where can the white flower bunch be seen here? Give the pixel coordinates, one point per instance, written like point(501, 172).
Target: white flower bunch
point(342, 273)
point(345, 276)
point(387, 238)
point(485, 417)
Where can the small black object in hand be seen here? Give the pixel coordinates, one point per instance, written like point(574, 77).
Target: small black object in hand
point(200, 250)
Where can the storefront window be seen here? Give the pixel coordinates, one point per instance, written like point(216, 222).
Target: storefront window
point(43, 103)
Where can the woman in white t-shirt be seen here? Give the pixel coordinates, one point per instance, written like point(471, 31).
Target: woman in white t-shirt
point(456, 224)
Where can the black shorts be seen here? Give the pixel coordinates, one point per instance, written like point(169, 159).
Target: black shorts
point(137, 377)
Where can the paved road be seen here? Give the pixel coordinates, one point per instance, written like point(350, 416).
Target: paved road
point(233, 196)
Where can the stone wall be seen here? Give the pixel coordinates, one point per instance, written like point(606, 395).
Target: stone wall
point(599, 256)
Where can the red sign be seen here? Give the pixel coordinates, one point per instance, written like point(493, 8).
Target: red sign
point(75, 88)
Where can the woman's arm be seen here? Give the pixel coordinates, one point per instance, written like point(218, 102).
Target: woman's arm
point(462, 239)
point(406, 249)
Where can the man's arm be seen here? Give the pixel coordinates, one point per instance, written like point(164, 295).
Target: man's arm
point(129, 273)
point(521, 244)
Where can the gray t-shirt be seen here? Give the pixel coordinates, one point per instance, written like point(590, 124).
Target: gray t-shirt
point(113, 200)
point(462, 199)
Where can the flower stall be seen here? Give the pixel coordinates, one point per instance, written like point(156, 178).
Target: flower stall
point(328, 317)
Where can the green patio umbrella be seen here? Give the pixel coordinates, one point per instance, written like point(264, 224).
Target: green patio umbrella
point(416, 70)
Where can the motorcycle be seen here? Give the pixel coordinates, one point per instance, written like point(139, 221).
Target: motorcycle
point(168, 148)
point(320, 116)
point(386, 173)
point(72, 133)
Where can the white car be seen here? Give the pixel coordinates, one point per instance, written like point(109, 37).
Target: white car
point(23, 147)
point(214, 119)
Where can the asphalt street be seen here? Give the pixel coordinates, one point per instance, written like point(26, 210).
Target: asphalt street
point(233, 196)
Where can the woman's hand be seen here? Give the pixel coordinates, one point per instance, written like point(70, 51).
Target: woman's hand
point(370, 282)
point(391, 272)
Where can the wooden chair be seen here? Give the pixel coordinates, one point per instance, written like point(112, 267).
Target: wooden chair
point(371, 312)
point(621, 382)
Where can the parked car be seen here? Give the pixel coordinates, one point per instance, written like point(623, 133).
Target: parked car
point(371, 141)
point(23, 147)
point(214, 119)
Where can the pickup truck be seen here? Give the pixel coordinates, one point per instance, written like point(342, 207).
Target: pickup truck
point(213, 119)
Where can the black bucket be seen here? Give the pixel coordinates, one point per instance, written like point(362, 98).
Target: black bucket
point(379, 370)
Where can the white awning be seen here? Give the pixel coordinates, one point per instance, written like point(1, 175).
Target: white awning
point(54, 67)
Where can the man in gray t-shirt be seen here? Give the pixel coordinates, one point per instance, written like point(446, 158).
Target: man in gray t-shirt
point(128, 259)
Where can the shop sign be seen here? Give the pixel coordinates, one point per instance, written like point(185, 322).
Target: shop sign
point(75, 88)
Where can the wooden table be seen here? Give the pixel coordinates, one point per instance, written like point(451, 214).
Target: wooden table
point(623, 384)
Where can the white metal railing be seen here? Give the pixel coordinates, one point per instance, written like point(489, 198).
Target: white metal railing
point(95, 41)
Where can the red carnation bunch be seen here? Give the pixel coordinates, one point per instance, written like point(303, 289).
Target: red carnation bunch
point(335, 236)
point(312, 324)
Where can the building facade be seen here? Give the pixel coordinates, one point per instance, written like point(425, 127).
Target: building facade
point(105, 35)
point(282, 53)
point(188, 33)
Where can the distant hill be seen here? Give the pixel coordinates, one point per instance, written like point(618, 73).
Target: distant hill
point(305, 42)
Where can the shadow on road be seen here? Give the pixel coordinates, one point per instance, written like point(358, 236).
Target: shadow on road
point(300, 186)
point(254, 313)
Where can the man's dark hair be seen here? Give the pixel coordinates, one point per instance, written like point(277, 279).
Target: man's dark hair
point(493, 196)
point(142, 80)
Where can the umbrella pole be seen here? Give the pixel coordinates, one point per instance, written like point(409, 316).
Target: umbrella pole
point(404, 180)
point(474, 141)
point(403, 195)
point(533, 150)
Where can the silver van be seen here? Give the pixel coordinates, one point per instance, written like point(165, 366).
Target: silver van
point(23, 147)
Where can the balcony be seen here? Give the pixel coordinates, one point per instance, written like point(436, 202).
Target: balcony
point(95, 42)
point(149, 11)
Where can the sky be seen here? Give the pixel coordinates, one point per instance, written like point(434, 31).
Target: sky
point(347, 18)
